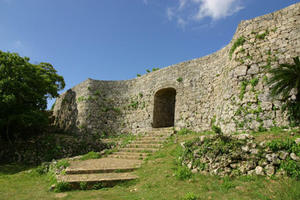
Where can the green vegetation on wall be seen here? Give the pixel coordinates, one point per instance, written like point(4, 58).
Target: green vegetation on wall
point(239, 42)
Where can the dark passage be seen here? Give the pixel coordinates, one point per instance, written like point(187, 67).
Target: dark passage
point(164, 108)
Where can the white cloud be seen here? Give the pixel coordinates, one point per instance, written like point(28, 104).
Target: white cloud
point(216, 9)
point(181, 22)
point(182, 4)
point(170, 13)
point(191, 11)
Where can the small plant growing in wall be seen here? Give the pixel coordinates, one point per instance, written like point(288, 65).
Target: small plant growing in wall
point(80, 99)
point(134, 104)
point(253, 83)
point(214, 127)
point(243, 89)
point(262, 36)
point(97, 93)
point(179, 79)
point(239, 42)
point(138, 75)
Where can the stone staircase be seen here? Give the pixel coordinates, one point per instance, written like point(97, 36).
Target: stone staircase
point(118, 166)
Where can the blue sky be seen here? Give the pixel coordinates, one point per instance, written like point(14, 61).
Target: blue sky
point(116, 39)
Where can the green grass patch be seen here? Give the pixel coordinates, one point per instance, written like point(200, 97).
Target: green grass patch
point(183, 173)
point(63, 163)
point(157, 180)
point(90, 155)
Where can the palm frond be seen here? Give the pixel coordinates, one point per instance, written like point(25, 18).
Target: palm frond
point(284, 79)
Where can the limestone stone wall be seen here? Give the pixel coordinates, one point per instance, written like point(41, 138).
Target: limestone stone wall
point(227, 88)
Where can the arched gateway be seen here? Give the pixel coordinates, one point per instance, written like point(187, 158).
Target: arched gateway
point(164, 108)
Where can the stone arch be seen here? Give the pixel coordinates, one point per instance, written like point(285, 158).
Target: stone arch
point(164, 108)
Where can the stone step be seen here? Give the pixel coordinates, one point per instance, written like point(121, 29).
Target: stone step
point(117, 166)
point(103, 170)
point(165, 129)
point(152, 138)
point(107, 179)
point(136, 145)
point(130, 153)
point(102, 165)
point(158, 136)
point(142, 150)
point(127, 157)
point(149, 141)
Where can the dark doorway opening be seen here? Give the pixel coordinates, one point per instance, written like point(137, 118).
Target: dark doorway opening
point(164, 108)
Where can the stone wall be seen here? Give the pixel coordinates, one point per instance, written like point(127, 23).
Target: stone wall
point(227, 87)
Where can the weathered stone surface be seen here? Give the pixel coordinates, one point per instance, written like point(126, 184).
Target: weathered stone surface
point(245, 148)
point(272, 158)
point(283, 155)
point(270, 170)
point(254, 69)
point(227, 88)
point(241, 157)
point(259, 170)
point(254, 151)
point(294, 157)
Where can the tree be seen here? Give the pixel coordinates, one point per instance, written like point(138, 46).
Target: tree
point(284, 79)
point(24, 90)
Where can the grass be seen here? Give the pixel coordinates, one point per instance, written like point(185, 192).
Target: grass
point(124, 139)
point(157, 181)
point(275, 133)
point(90, 155)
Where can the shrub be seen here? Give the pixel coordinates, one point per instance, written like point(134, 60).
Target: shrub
point(284, 79)
point(216, 129)
point(83, 185)
point(183, 173)
point(42, 169)
point(97, 186)
point(292, 168)
point(293, 110)
point(190, 196)
point(62, 187)
point(63, 163)
point(288, 145)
